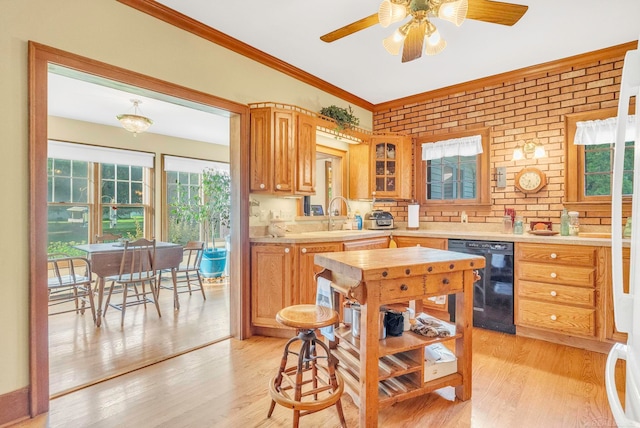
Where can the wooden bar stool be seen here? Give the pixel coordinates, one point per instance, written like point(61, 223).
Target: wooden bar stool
point(307, 387)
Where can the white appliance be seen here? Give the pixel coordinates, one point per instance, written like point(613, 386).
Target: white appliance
point(626, 305)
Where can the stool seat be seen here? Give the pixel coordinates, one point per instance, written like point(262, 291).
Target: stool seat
point(307, 317)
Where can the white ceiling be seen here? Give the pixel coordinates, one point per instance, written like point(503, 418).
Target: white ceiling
point(290, 30)
point(81, 97)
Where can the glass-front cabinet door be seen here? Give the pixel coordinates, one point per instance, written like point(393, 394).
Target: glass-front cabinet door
point(385, 168)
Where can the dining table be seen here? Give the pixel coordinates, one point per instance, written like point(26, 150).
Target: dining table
point(106, 257)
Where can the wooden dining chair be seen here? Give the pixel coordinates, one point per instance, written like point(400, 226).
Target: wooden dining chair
point(137, 269)
point(69, 281)
point(186, 278)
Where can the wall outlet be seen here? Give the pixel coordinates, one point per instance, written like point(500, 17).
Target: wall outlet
point(463, 217)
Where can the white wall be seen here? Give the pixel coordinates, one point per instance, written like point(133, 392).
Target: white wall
point(111, 32)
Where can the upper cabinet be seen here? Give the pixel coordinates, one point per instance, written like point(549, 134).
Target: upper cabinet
point(283, 151)
point(384, 166)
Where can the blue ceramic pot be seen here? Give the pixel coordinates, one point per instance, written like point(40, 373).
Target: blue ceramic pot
point(213, 262)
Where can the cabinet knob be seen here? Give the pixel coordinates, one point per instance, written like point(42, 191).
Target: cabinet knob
point(404, 287)
point(286, 250)
point(304, 251)
point(554, 256)
point(445, 281)
point(418, 245)
point(553, 317)
point(554, 275)
point(278, 186)
point(262, 186)
point(553, 293)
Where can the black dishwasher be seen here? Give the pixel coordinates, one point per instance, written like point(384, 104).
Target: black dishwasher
point(493, 293)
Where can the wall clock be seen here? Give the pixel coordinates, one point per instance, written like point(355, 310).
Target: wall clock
point(530, 180)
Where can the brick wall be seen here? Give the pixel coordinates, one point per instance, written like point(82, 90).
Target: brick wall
point(530, 103)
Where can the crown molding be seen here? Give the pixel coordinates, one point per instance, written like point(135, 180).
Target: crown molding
point(199, 29)
point(577, 60)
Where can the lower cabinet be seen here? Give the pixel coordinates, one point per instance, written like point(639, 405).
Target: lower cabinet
point(558, 293)
point(307, 268)
point(367, 244)
point(272, 282)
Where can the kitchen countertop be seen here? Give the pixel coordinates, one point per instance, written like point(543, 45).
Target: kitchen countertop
point(350, 235)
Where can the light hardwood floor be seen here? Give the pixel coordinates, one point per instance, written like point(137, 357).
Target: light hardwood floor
point(81, 354)
point(517, 382)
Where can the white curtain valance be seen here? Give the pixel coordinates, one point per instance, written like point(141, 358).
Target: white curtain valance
point(196, 166)
point(82, 152)
point(592, 132)
point(464, 146)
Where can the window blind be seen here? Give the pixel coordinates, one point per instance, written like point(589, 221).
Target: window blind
point(464, 146)
point(196, 166)
point(82, 152)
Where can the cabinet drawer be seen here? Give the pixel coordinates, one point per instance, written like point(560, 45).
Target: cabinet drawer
point(393, 289)
point(555, 274)
point(573, 255)
point(445, 283)
point(565, 319)
point(557, 293)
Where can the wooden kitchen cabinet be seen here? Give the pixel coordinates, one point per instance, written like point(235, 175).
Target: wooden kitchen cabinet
point(558, 289)
point(272, 282)
point(383, 166)
point(307, 268)
point(283, 151)
point(419, 241)
point(367, 244)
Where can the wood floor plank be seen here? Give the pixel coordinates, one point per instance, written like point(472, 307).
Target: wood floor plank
point(81, 354)
point(517, 382)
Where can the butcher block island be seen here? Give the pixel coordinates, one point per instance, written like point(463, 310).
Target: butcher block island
point(398, 275)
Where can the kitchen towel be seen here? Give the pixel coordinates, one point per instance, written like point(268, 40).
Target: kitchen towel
point(323, 298)
point(414, 216)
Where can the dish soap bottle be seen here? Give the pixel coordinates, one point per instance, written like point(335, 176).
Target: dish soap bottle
point(358, 220)
point(564, 223)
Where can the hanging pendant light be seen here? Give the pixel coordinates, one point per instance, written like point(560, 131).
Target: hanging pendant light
point(135, 123)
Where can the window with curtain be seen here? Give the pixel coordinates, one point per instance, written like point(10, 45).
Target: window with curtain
point(96, 190)
point(454, 171)
point(589, 147)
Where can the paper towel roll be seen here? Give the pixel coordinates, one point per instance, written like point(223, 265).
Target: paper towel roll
point(413, 216)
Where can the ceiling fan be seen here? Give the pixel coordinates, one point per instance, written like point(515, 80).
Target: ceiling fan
point(411, 36)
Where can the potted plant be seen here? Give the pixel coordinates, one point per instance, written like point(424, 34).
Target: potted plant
point(343, 117)
point(209, 208)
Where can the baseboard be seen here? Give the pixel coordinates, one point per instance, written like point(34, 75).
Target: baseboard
point(15, 407)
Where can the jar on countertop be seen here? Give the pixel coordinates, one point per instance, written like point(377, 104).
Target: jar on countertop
point(574, 223)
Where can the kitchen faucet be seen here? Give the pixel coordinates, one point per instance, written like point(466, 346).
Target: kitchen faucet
point(330, 222)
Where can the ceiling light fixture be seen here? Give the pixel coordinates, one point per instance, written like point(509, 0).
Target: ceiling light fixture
point(135, 123)
point(412, 35)
point(529, 149)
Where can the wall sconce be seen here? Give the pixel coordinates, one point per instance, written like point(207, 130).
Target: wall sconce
point(529, 149)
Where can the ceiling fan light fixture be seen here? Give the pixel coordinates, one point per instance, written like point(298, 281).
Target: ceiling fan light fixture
point(134, 123)
point(394, 42)
point(435, 44)
point(389, 12)
point(454, 11)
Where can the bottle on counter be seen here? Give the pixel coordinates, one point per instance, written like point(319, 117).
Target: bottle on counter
point(564, 223)
point(358, 220)
point(518, 226)
point(627, 229)
point(574, 223)
point(507, 225)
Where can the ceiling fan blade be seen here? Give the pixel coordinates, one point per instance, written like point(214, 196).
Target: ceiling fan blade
point(354, 27)
point(413, 43)
point(495, 12)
